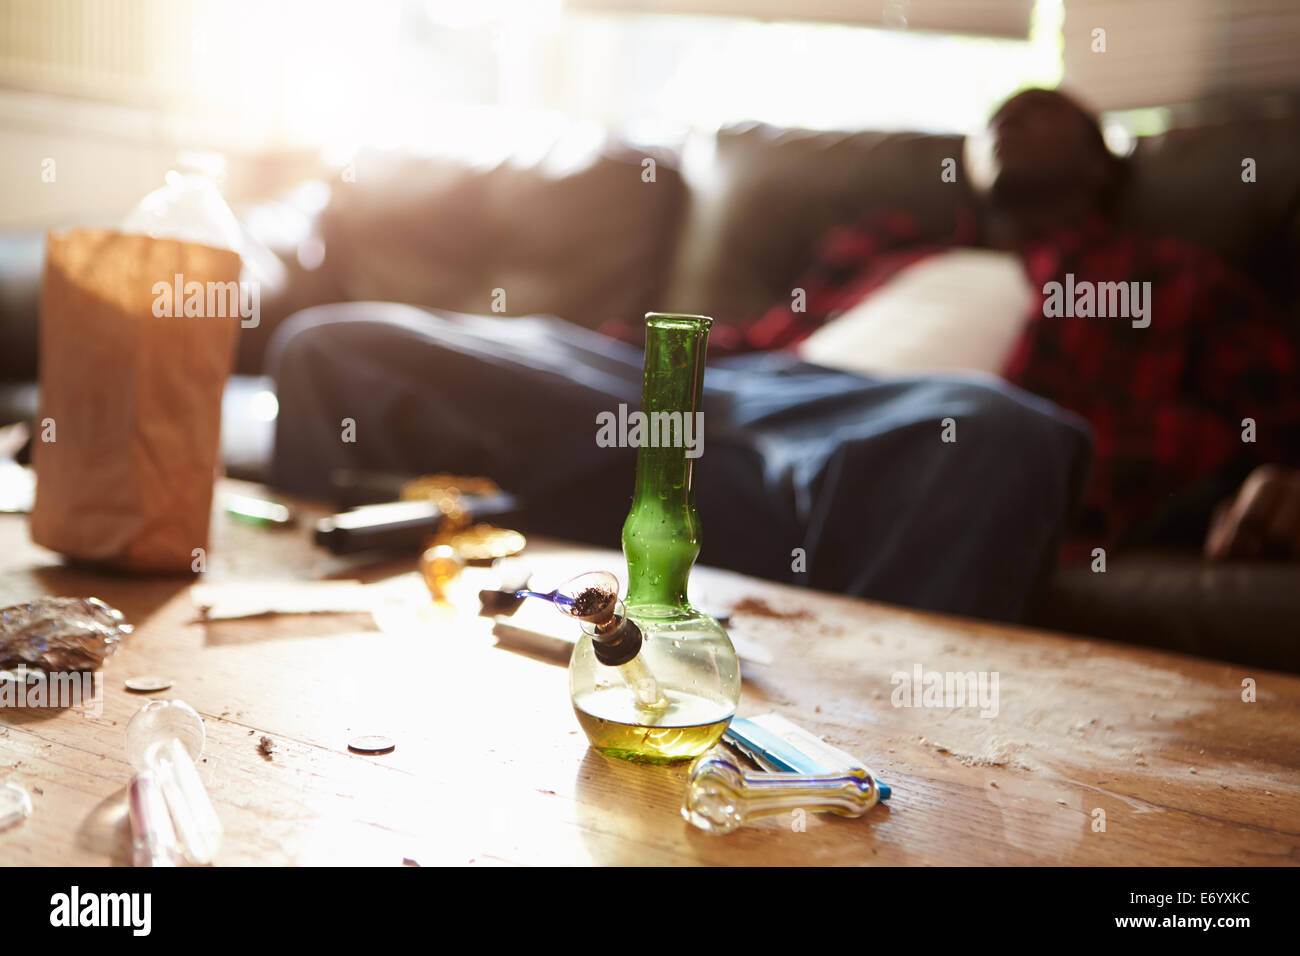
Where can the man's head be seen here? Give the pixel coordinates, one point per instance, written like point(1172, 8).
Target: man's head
point(1048, 151)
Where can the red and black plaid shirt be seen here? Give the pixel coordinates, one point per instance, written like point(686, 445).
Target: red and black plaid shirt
point(1166, 402)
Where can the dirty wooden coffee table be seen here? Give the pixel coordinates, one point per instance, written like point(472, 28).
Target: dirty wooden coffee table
point(490, 765)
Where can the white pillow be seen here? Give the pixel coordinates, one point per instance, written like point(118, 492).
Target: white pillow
point(957, 310)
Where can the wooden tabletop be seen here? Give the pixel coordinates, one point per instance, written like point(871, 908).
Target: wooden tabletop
point(490, 766)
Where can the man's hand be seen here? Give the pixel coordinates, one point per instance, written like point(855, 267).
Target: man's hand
point(1262, 521)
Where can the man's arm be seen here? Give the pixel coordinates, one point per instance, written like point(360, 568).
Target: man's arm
point(1262, 520)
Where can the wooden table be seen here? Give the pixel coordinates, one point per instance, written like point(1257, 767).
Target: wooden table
point(490, 766)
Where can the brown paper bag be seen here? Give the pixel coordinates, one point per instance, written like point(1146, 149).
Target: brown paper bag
point(126, 444)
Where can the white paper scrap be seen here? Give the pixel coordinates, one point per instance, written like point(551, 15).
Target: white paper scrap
point(219, 602)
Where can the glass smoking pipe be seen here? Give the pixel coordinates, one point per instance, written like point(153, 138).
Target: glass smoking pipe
point(592, 598)
point(153, 838)
point(163, 739)
point(15, 805)
point(720, 797)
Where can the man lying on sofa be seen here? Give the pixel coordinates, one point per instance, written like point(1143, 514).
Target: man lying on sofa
point(1194, 387)
point(851, 472)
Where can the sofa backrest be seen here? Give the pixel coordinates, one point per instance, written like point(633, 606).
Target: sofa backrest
point(726, 225)
point(762, 196)
point(585, 234)
point(1188, 183)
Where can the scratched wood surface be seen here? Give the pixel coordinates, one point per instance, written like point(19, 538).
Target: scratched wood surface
point(491, 768)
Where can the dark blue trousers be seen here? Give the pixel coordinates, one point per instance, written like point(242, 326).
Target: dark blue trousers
point(850, 472)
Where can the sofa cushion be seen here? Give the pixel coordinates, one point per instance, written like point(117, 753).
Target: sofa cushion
point(579, 233)
point(1188, 183)
point(1242, 611)
point(956, 310)
point(761, 197)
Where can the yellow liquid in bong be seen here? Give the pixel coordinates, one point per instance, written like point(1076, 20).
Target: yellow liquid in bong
point(617, 726)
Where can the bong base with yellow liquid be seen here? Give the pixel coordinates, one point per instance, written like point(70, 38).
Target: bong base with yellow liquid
point(671, 701)
point(616, 725)
point(657, 689)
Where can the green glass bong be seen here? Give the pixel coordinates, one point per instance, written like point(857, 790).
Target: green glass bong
point(652, 678)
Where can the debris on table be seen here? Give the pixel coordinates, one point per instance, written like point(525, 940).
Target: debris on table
point(17, 482)
point(760, 608)
point(439, 567)
point(371, 744)
point(147, 684)
point(258, 511)
point(60, 634)
point(265, 746)
point(219, 602)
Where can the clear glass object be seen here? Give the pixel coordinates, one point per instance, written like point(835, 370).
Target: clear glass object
point(163, 739)
point(720, 797)
point(153, 838)
point(675, 698)
point(15, 805)
point(188, 207)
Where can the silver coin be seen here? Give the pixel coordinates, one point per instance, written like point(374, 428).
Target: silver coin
point(147, 684)
point(371, 744)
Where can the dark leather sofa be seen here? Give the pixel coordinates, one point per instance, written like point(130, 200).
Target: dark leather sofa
point(723, 225)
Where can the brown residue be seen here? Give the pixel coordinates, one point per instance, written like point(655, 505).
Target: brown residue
point(760, 608)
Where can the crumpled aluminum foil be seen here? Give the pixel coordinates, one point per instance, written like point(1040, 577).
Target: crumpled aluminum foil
point(60, 634)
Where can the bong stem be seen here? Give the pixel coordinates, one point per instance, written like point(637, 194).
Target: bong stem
point(643, 684)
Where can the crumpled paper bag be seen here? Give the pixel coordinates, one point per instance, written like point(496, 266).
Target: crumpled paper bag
point(126, 443)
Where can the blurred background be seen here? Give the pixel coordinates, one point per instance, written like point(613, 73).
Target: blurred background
point(118, 86)
point(114, 88)
point(432, 151)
